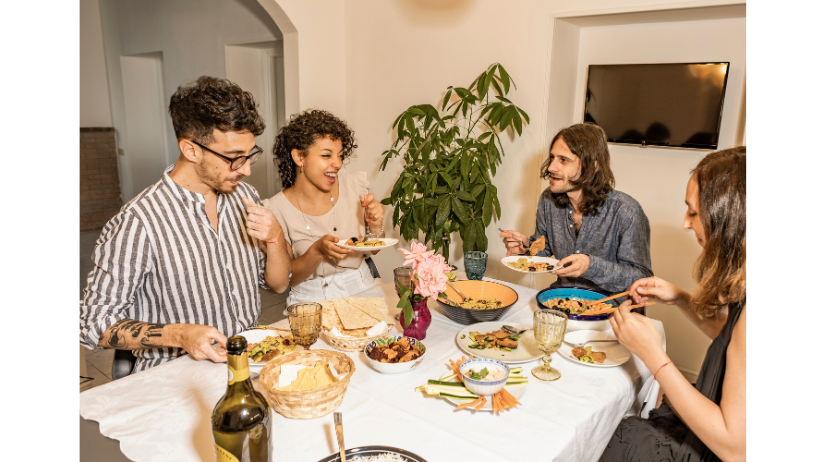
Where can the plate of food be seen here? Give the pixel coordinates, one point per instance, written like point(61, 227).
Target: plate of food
point(590, 353)
point(354, 243)
point(264, 345)
point(457, 392)
point(529, 264)
point(487, 340)
point(373, 453)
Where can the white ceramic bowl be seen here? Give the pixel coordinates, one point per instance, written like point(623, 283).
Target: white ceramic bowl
point(394, 368)
point(479, 387)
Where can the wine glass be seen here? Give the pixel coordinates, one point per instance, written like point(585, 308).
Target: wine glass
point(305, 323)
point(549, 327)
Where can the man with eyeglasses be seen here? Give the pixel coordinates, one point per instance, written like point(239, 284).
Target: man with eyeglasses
point(180, 266)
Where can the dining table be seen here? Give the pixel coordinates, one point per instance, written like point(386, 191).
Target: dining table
point(163, 413)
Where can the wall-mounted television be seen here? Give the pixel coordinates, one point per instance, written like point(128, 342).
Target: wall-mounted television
point(673, 105)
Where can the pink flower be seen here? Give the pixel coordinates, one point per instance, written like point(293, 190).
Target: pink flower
point(417, 253)
point(430, 276)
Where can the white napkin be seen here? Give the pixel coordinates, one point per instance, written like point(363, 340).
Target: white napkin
point(289, 372)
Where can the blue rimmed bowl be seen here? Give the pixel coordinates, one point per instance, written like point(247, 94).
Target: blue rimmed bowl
point(394, 368)
point(575, 321)
point(479, 387)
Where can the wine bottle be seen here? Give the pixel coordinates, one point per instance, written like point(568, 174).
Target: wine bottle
point(241, 419)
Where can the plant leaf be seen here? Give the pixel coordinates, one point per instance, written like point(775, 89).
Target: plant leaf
point(465, 196)
point(526, 117)
point(505, 78)
point(458, 208)
point(446, 98)
point(406, 308)
point(443, 211)
point(487, 211)
point(516, 118)
point(447, 178)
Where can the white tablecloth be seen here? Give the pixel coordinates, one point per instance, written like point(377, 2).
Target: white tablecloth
point(163, 414)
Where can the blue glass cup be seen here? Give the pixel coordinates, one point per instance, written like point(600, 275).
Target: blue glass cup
point(475, 263)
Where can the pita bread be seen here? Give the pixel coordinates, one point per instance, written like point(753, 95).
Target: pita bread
point(375, 307)
point(538, 245)
point(351, 316)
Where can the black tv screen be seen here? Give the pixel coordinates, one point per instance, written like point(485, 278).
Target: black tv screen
point(676, 105)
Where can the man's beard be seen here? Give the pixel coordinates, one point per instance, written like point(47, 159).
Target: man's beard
point(212, 180)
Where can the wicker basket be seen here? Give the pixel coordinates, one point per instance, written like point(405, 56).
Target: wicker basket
point(353, 343)
point(311, 403)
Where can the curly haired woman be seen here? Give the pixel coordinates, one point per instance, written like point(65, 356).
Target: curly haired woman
point(708, 421)
point(319, 205)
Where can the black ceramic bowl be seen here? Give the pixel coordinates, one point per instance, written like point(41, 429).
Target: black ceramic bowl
point(366, 451)
point(478, 290)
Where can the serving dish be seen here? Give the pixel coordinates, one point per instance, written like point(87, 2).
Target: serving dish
point(527, 348)
point(480, 387)
point(478, 290)
point(366, 451)
point(394, 368)
point(616, 354)
point(575, 321)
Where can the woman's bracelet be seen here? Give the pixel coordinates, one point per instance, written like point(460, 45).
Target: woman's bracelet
point(659, 369)
point(277, 237)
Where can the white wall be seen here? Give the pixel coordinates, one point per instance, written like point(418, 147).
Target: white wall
point(403, 52)
point(190, 34)
point(95, 107)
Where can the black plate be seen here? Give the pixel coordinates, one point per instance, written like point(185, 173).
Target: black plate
point(365, 451)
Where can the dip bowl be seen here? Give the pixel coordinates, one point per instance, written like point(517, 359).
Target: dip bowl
point(480, 387)
point(394, 368)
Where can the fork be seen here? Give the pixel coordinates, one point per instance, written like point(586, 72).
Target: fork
point(512, 330)
point(575, 345)
point(337, 420)
point(519, 240)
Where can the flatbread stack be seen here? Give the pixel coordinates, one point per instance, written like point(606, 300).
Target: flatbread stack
point(354, 316)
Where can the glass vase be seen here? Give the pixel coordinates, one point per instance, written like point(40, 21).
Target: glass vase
point(420, 322)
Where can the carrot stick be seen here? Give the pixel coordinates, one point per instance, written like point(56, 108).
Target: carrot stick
point(463, 405)
point(495, 404)
point(481, 404)
point(501, 406)
point(510, 397)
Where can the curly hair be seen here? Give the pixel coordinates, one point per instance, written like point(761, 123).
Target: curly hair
point(210, 103)
point(588, 142)
point(721, 269)
point(301, 132)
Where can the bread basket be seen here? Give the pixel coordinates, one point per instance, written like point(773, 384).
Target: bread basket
point(353, 343)
point(307, 404)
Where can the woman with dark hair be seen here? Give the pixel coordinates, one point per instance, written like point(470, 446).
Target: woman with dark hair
point(320, 205)
point(708, 421)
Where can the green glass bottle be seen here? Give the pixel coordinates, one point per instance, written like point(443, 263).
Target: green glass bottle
point(241, 419)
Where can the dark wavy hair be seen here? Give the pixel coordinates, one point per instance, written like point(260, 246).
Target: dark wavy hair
point(588, 142)
point(301, 132)
point(210, 103)
point(721, 269)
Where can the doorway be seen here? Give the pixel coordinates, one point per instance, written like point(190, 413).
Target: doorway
point(144, 144)
point(259, 69)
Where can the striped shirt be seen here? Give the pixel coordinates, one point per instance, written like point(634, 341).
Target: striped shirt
point(159, 260)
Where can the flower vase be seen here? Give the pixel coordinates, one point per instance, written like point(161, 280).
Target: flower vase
point(420, 322)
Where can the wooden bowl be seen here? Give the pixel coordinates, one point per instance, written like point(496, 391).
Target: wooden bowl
point(478, 290)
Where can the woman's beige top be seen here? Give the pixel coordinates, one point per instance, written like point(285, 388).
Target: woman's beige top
point(344, 220)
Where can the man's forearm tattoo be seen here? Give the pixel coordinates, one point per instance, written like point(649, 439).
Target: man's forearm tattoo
point(130, 334)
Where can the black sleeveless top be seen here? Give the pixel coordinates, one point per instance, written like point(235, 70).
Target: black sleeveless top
point(663, 436)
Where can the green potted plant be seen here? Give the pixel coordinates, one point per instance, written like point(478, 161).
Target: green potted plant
point(450, 159)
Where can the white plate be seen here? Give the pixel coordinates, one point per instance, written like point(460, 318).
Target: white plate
point(512, 258)
point(616, 354)
point(256, 336)
point(517, 393)
point(527, 348)
point(388, 241)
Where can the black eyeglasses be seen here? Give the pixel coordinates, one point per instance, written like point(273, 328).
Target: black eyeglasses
point(236, 162)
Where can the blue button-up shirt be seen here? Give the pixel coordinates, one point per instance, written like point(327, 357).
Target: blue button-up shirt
point(616, 240)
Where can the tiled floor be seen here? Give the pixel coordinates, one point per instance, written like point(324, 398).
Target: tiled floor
point(99, 361)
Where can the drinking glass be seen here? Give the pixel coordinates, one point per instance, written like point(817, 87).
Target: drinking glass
point(549, 327)
point(305, 323)
point(402, 274)
point(475, 263)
